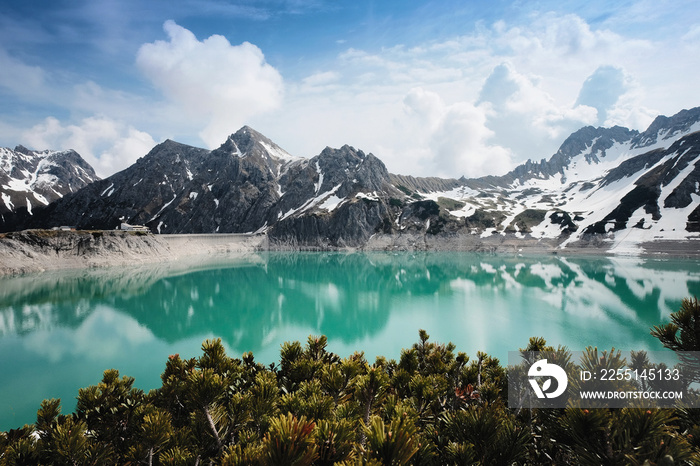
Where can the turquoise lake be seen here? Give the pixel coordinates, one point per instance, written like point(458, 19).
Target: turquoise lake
point(60, 330)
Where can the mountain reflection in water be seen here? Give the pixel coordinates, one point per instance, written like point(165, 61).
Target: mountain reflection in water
point(60, 330)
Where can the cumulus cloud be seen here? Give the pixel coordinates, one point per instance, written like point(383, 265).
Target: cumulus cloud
point(427, 106)
point(462, 144)
point(217, 85)
point(106, 144)
point(602, 90)
point(505, 92)
point(526, 118)
point(617, 97)
point(455, 137)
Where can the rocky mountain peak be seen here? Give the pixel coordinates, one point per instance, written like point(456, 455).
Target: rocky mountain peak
point(246, 133)
point(350, 167)
point(588, 143)
point(23, 150)
point(664, 127)
point(170, 152)
point(593, 142)
point(246, 142)
point(31, 179)
point(257, 149)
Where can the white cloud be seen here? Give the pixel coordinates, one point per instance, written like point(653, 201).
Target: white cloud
point(602, 90)
point(692, 37)
point(426, 106)
point(629, 110)
point(455, 137)
point(218, 86)
point(504, 92)
point(20, 78)
point(321, 79)
point(461, 144)
point(106, 144)
point(524, 117)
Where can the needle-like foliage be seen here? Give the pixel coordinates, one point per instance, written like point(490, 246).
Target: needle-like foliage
point(431, 407)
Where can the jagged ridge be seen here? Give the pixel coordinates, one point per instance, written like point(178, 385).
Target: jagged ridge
point(29, 179)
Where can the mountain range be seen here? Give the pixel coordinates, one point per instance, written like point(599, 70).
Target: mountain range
point(31, 179)
point(612, 186)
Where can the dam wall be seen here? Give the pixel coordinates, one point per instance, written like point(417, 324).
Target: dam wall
point(213, 243)
point(39, 250)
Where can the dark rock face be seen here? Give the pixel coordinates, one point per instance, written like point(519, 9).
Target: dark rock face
point(693, 223)
point(689, 148)
point(337, 198)
point(351, 224)
point(634, 165)
point(134, 195)
point(31, 179)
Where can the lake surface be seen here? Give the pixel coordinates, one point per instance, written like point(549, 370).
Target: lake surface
point(60, 331)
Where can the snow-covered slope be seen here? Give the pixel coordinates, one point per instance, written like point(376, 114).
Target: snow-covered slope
point(29, 179)
point(624, 190)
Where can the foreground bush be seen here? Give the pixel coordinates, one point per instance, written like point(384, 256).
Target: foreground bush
point(431, 407)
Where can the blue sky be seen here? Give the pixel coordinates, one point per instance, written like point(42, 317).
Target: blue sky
point(446, 88)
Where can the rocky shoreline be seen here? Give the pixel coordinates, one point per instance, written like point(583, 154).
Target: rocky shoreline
point(41, 250)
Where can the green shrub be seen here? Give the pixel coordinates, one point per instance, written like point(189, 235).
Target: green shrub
point(432, 407)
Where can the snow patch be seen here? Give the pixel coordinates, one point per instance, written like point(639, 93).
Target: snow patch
point(42, 199)
point(319, 183)
point(369, 196)
point(318, 201)
point(331, 203)
point(163, 208)
point(108, 188)
point(262, 229)
point(238, 151)
point(466, 211)
point(7, 201)
point(278, 153)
